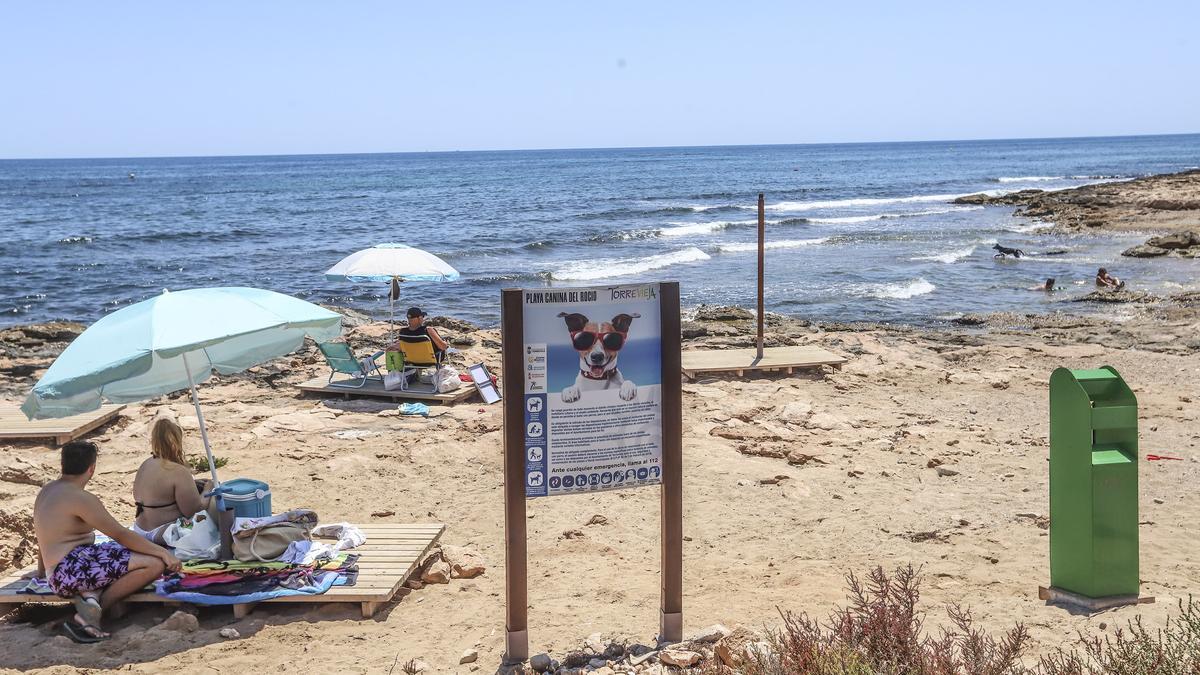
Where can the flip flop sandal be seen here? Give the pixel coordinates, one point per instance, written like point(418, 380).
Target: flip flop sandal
point(88, 609)
point(79, 633)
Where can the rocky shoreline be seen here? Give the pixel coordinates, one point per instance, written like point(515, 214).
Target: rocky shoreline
point(1164, 202)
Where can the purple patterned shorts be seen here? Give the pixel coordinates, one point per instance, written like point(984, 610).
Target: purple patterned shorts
point(90, 567)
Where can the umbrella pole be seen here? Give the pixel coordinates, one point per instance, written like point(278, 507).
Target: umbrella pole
point(212, 463)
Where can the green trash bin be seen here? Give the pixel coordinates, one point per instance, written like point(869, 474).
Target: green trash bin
point(1093, 483)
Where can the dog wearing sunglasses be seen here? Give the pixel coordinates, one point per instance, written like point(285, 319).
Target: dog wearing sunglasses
point(598, 347)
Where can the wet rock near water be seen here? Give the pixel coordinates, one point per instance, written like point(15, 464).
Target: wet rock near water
point(1177, 244)
point(1116, 296)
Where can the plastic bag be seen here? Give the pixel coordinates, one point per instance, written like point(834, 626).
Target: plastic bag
point(201, 541)
point(446, 380)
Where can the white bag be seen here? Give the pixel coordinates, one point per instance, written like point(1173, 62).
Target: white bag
point(392, 381)
point(446, 380)
point(202, 541)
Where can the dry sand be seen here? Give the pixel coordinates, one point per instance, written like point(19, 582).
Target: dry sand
point(974, 400)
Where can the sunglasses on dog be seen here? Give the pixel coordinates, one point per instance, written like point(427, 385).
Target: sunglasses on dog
point(585, 339)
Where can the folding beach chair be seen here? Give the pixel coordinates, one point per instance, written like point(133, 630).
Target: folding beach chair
point(342, 360)
point(419, 355)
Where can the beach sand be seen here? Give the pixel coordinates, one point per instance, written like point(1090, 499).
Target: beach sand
point(790, 483)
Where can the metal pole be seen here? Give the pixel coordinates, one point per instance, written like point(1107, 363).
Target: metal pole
point(671, 518)
point(516, 580)
point(212, 463)
point(762, 244)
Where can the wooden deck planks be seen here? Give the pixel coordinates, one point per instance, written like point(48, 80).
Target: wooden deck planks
point(14, 424)
point(321, 385)
point(739, 361)
point(391, 554)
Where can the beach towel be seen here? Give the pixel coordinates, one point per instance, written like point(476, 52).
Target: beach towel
point(414, 409)
point(252, 590)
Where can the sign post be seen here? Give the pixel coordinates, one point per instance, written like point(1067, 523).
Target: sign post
point(592, 402)
point(762, 245)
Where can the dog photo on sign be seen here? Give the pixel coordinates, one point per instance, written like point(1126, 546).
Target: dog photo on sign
point(599, 347)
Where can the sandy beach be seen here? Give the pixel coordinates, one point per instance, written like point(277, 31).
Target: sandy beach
point(929, 446)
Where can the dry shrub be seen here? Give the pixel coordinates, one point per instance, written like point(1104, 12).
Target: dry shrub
point(881, 632)
point(1173, 650)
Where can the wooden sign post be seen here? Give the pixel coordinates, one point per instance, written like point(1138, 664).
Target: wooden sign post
point(762, 245)
point(532, 391)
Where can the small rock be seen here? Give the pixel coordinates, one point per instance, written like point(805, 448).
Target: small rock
point(597, 663)
point(469, 656)
point(934, 463)
point(945, 471)
point(597, 520)
point(414, 584)
point(181, 622)
point(464, 562)
point(711, 634)
point(1158, 501)
point(437, 573)
point(680, 658)
point(229, 633)
point(572, 534)
point(604, 670)
point(541, 662)
point(383, 514)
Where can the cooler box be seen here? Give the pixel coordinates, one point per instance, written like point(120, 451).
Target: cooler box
point(247, 497)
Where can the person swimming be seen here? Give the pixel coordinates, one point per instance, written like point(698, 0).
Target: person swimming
point(1106, 280)
point(1047, 287)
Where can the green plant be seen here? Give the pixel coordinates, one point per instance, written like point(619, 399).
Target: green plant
point(200, 464)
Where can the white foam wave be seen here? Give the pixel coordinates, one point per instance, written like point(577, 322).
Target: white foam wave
point(604, 268)
point(1032, 179)
point(901, 290)
point(860, 201)
point(786, 243)
point(683, 229)
point(1025, 229)
point(888, 216)
point(949, 256)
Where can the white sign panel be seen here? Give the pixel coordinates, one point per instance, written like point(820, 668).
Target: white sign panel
point(593, 382)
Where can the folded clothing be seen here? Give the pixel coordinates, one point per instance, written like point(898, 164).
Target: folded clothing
point(348, 535)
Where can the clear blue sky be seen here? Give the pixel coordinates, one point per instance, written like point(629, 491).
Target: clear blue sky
point(86, 79)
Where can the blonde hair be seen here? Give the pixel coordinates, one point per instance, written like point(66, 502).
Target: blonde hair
point(166, 441)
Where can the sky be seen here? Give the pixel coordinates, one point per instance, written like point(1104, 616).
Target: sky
point(130, 79)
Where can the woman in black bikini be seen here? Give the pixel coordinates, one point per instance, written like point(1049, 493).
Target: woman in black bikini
point(164, 490)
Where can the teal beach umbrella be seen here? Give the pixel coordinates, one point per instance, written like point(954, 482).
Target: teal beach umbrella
point(175, 341)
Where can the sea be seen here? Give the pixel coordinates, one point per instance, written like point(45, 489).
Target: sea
point(854, 232)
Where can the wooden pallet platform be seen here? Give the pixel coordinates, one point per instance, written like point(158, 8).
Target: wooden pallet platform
point(392, 552)
point(14, 424)
point(740, 361)
point(416, 392)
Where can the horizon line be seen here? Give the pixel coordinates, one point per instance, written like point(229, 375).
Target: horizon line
point(587, 149)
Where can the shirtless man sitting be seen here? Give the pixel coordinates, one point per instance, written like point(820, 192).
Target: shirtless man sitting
point(94, 576)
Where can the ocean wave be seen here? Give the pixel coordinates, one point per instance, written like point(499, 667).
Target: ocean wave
point(858, 201)
point(492, 279)
point(1042, 179)
point(900, 290)
point(538, 245)
point(681, 229)
point(889, 216)
point(753, 246)
point(1026, 229)
point(1028, 179)
point(618, 267)
point(78, 239)
point(949, 256)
